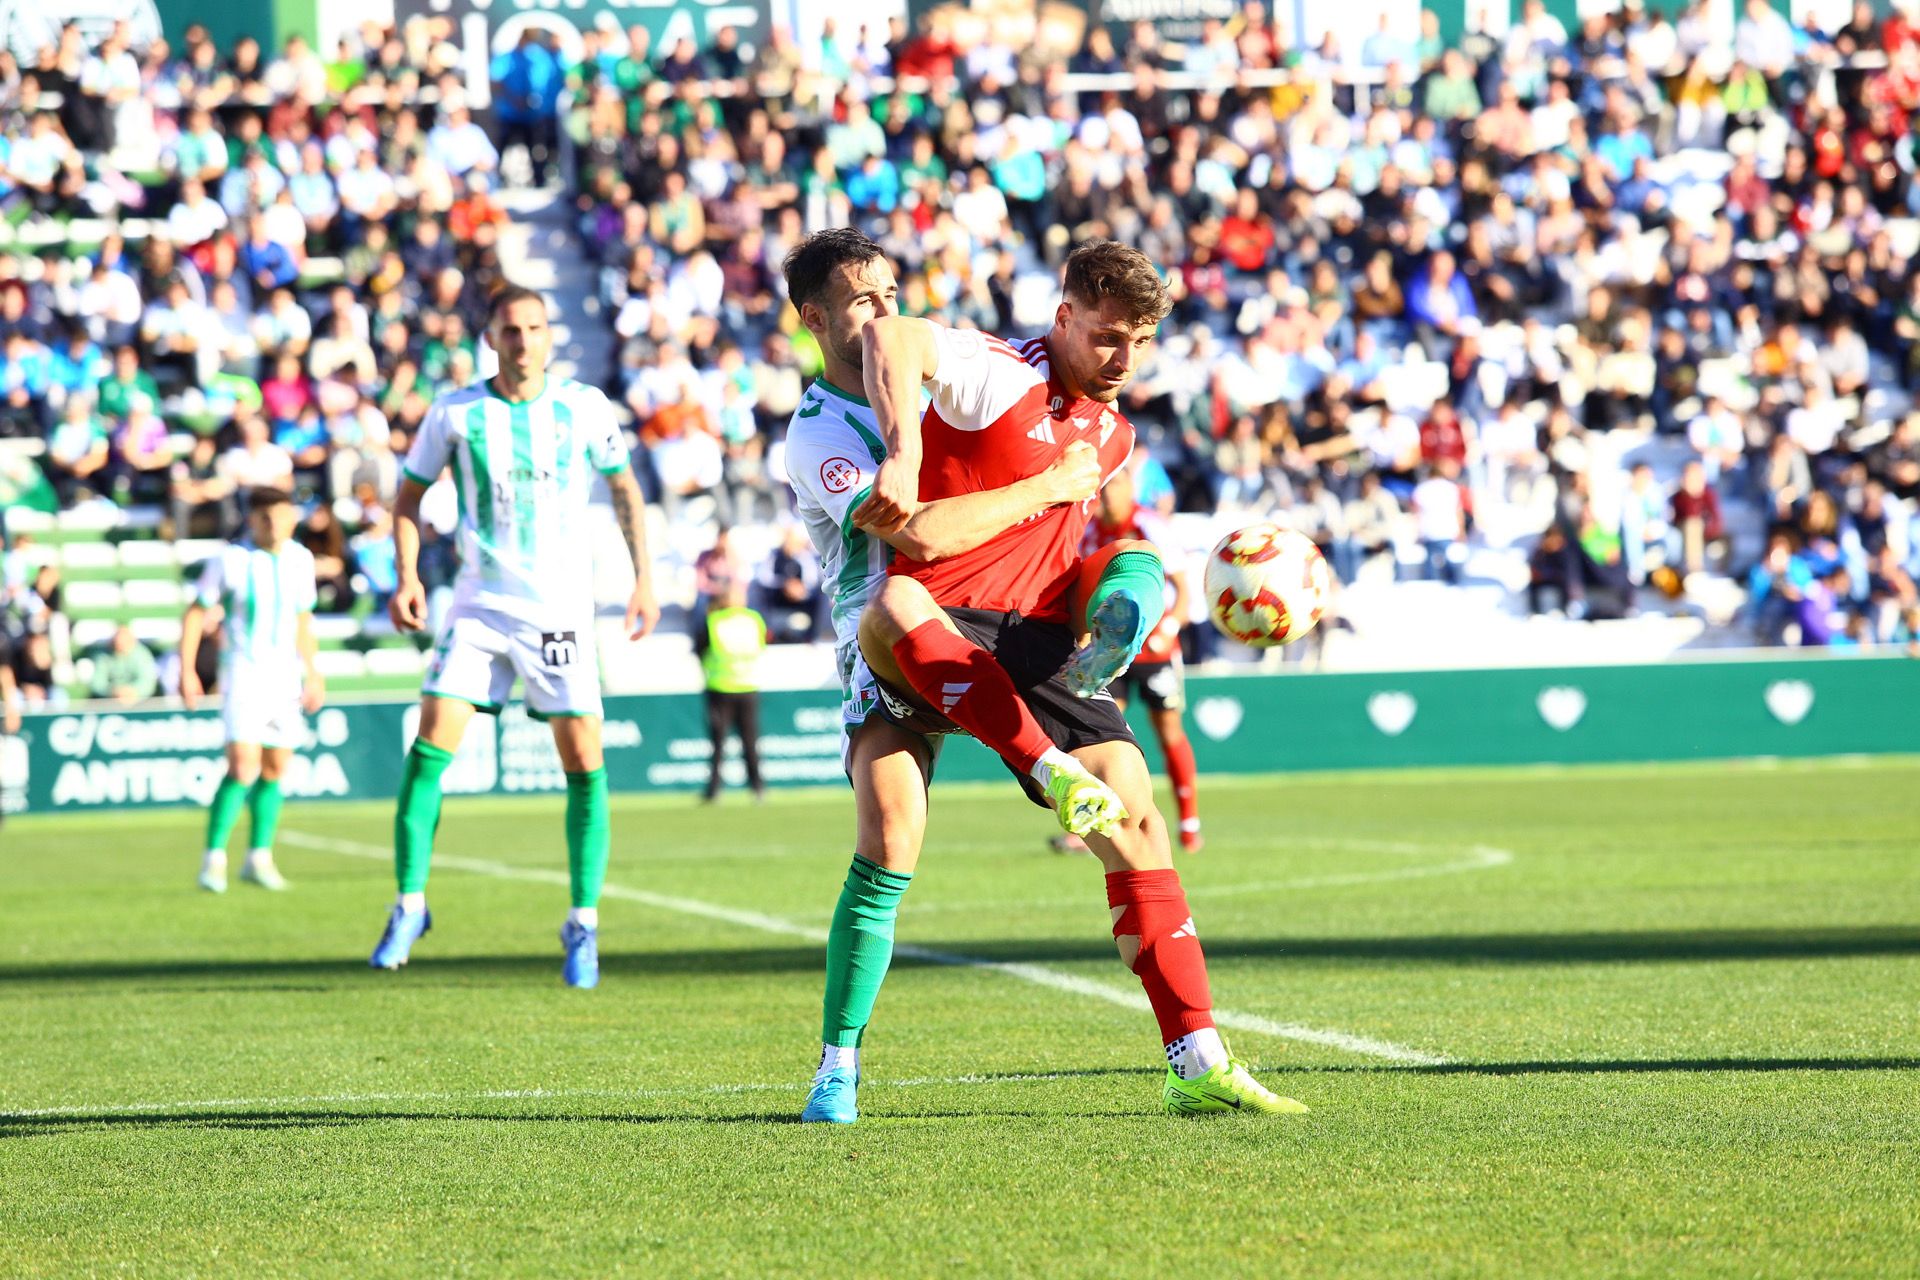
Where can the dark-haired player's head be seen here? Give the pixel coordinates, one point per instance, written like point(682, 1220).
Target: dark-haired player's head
point(838, 280)
point(1112, 303)
point(271, 517)
point(517, 329)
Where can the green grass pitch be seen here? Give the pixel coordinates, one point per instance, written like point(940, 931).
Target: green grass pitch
point(1637, 1021)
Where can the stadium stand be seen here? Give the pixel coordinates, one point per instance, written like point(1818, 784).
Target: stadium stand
point(1646, 293)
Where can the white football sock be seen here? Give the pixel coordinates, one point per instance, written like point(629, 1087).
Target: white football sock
point(259, 857)
point(1196, 1053)
point(216, 860)
point(1055, 758)
point(835, 1057)
point(412, 902)
point(586, 917)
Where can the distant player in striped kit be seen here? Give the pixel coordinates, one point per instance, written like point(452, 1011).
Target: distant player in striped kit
point(264, 589)
point(525, 450)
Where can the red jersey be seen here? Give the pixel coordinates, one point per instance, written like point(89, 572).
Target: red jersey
point(999, 416)
point(1144, 525)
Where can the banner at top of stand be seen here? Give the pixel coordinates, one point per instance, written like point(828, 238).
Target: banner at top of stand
point(667, 21)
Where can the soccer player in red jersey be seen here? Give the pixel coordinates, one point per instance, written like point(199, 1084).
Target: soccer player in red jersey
point(936, 633)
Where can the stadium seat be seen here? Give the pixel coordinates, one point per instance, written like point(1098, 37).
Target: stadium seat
point(93, 599)
point(395, 662)
point(162, 632)
point(340, 664)
point(155, 594)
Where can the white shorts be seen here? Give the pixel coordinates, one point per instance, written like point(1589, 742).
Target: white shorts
point(860, 695)
point(261, 705)
point(481, 650)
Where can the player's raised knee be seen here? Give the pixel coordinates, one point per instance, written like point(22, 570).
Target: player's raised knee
point(896, 609)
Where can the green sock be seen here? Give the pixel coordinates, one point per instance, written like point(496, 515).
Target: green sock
point(418, 815)
point(859, 949)
point(224, 811)
point(1141, 575)
point(587, 835)
point(263, 809)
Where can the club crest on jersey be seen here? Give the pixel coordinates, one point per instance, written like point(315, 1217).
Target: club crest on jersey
point(838, 474)
point(1057, 406)
point(1107, 424)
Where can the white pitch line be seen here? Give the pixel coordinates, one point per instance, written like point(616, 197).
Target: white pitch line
point(1039, 975)
point(492, 1095)
point(1479, 857)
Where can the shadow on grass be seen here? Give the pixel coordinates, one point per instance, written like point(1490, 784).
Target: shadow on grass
point(267, 1121)
point(1652, 946)
point(1627, 1066)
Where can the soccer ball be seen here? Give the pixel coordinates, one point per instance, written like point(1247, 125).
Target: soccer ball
point(1266, 585)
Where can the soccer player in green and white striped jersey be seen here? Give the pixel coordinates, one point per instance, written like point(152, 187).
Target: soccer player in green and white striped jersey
point(525, 450)
point(264, 590)
point(839, 281)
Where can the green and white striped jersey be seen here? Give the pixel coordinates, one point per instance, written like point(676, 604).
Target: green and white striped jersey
point(833, 450)
point(263, 595)
point(523, 473)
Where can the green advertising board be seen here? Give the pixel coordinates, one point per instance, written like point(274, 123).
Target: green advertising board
point(94, 759)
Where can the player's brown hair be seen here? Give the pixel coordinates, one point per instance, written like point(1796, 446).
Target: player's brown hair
point(507, 295)
point(1102, 269)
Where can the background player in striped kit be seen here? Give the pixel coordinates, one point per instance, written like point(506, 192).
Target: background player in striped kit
point(264, 588)
point(524, 449)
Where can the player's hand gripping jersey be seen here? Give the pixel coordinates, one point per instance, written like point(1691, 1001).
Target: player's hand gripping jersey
point(997, 416)
point(523, 473)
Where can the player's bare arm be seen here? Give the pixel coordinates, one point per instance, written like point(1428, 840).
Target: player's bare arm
point(897, 357)
point(630, 512)
point(193, 626)
point(9, 701)
point(950, 526)
point(313, 689)
point(408, 607)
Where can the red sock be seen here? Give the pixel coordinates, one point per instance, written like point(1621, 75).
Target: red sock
point(1151, 907)
point(1185, 779)
point(960, 679)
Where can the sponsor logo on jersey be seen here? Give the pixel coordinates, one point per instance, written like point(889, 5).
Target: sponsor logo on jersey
point(838, 474)
point(559, 648)
point(1043, 432)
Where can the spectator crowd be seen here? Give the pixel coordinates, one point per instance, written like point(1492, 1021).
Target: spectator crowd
point(1632, 301)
